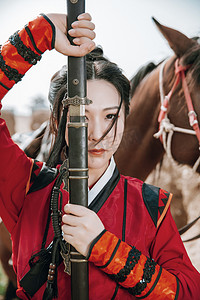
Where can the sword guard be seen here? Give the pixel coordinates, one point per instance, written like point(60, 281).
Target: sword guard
point(66, 260)
point(75, 101)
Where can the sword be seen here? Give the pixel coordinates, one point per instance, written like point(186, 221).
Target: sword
point(78, 150)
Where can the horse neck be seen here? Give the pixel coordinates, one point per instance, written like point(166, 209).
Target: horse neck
point(139, 151)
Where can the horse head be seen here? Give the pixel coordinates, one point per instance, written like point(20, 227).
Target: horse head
point(181, 81)
point(139, 151)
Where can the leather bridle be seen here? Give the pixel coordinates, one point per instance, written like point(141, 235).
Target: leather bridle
point(166, 128)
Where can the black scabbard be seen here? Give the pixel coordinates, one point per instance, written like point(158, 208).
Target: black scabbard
point(78, 150)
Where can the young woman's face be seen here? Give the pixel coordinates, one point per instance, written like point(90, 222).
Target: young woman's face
point(99, 115)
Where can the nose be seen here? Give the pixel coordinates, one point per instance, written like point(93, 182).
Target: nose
point(95, 130)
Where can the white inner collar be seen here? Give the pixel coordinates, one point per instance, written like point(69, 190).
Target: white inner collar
point(102, 181)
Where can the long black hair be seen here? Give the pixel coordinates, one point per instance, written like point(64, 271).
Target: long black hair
point(97, 67)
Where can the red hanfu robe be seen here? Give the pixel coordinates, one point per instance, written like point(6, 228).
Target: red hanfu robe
point(140, 253)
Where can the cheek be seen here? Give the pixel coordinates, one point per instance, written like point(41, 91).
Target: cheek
point(115, 140)
point(119, 134)
point(120, 128)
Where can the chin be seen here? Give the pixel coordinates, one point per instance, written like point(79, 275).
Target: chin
point(97, 163)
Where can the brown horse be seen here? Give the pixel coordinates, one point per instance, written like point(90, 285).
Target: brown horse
point(140, 151)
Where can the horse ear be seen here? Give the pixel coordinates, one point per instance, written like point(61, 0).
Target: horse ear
point(179, 42)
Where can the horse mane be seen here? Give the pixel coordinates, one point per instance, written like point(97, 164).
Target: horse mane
point(143, 71)
point(193, 57)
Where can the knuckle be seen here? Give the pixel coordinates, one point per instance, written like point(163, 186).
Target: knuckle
point(64, 218)
point(64, 229)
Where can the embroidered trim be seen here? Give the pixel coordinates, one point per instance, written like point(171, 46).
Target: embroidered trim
point(125, 209)
point(153, 286)
point(150, 195)
point(107, 190)
point(53, 30)
point(4, 86)
point(149, 270)
point(27, 54)
point(41, 176)
point(115, 293)
point(11, 73)
point(94, 242)
point(132, 260)
point(113, 254)
point(32, 39)
point(178, 287)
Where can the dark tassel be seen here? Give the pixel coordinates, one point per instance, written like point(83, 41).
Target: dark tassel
point(48, 293)
point(51, 290)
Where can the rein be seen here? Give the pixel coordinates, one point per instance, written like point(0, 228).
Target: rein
point(166, 128)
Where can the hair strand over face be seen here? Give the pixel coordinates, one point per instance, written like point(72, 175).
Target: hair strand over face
point(98, 67)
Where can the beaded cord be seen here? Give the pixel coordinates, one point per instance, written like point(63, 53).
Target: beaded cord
point(11, 73)
point(51, 272)
point(59, 245)
point(27, 54)
point(149, 270)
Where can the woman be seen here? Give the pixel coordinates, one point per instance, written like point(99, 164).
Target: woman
point(127, 233)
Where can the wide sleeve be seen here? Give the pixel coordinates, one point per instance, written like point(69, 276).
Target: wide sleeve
point(169, 252)
point(17, 55)
point(15, 172)
point(166, 274)
point(23, 50)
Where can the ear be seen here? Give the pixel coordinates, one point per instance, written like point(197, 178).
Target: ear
point(179, 42)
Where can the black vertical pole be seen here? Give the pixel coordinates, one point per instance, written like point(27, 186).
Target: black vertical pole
point(78, 151)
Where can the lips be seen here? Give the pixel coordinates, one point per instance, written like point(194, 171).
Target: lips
point(96, 151)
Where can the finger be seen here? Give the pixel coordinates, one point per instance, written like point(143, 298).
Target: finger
point(68, 230)
point(63, 46)
point(76, 210)
point(85, 16)
point(82, 32)
point(68, 238)
point(70, 220)
point(79, 51)
point(81, 40)
point(83, 24)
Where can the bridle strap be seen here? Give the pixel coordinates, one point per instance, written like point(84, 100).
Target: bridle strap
point(191, 112)
point(164, 106)
point(180, 75)
point(166, 128)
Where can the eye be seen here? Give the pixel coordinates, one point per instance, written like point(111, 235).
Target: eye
point(111, 116)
